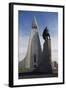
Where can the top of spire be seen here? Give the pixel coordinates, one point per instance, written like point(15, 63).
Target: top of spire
point(34, 23)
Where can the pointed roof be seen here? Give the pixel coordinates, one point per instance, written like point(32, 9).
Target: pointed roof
point(34, 23)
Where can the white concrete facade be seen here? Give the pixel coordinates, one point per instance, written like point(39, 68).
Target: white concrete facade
point(32, 59)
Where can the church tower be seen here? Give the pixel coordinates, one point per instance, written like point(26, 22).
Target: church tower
point(34, 48)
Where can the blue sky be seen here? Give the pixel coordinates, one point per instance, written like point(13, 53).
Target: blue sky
point(25, 18)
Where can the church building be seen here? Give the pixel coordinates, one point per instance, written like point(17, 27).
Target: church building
point(33, 55)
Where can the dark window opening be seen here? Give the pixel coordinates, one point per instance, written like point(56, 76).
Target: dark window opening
point(34, 58)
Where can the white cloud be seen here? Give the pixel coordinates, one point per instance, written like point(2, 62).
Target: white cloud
point(54, 48)
point(22, 47)
point(41, 41)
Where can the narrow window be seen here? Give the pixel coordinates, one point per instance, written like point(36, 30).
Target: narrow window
point(34, 58)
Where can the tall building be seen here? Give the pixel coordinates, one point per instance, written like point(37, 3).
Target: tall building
point(33, 55)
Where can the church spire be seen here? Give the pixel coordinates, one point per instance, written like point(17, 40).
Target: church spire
point(34, 23)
